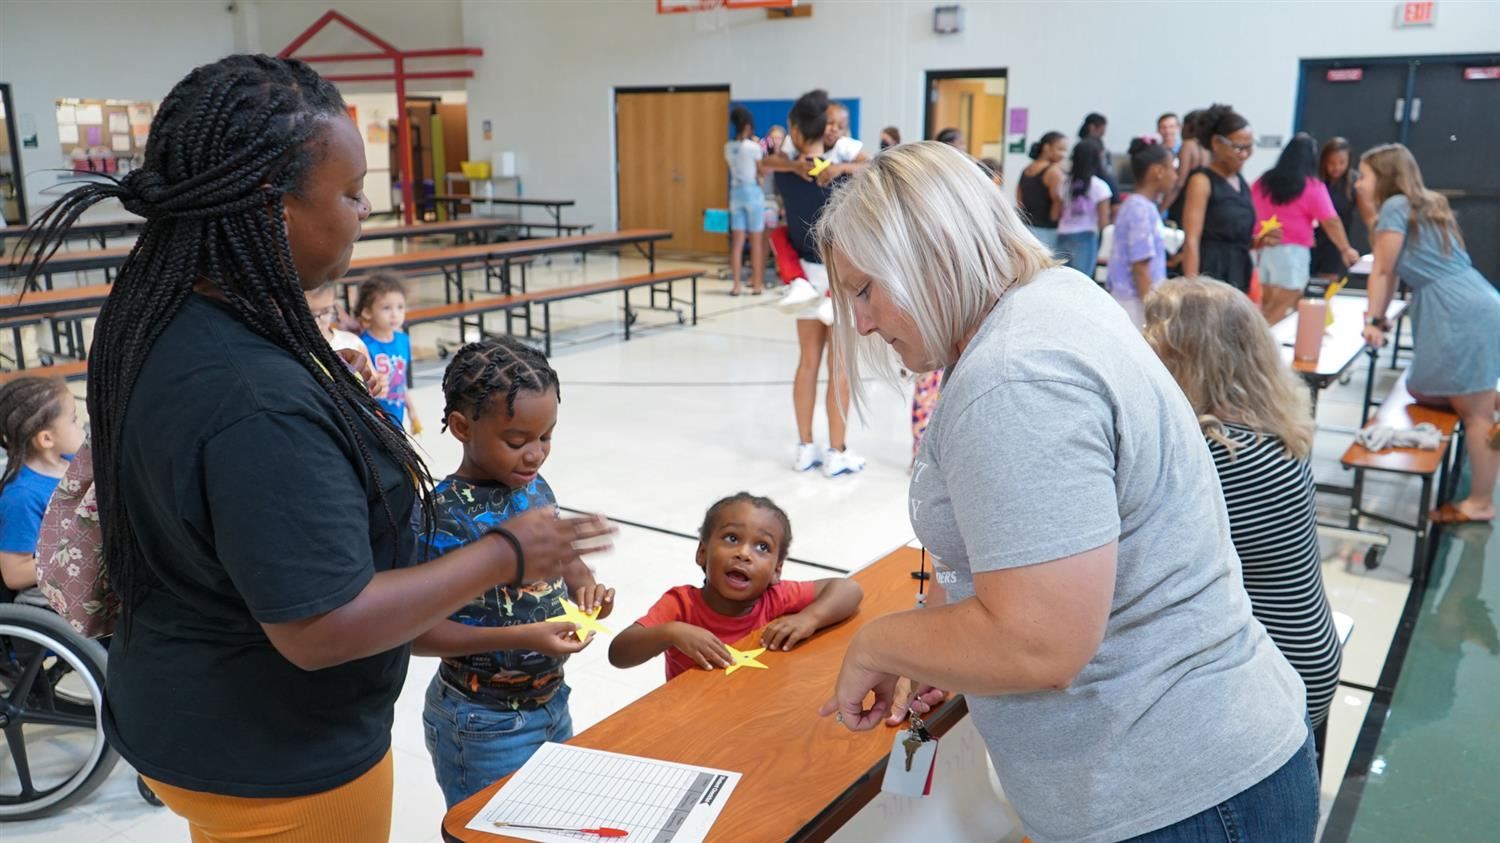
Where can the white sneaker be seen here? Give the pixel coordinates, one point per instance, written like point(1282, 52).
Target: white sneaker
point(825, 311)
point(799, 294)
point(840, 463)
point(807, 457)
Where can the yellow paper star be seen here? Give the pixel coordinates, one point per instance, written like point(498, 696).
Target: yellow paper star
point(819, 165)
point(586, 621)
point(745, 659)
point(1333, 290)
point(1267, 226)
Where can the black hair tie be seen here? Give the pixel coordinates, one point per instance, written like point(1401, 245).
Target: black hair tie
point(515, 544)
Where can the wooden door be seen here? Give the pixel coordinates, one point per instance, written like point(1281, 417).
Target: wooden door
point(670, 163)
point(455, 120)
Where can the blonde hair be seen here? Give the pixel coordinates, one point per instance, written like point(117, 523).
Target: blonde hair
point(940, 239)
point(1221, 352)
point(1396, 171)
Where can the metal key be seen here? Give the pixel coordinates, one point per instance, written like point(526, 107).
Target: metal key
point(912, 744)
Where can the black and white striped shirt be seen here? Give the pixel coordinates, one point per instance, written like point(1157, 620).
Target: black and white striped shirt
point(1273, 523)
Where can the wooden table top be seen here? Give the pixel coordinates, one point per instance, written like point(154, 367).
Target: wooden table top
point(1401, 411)
point(1343, 341)
point(104, 258)
point(802, 775)
point(52, 301)
point(504, 200)
point(499, 251)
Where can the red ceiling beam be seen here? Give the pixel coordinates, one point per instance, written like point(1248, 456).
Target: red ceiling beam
point(391, 77)
point(398, 75)
point(410, 54)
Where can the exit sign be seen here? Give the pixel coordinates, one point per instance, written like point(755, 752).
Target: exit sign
point(1415, 14)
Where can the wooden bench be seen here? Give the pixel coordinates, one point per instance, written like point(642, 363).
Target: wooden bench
point(71, 371)
point(519, 305)
point(1401, 411)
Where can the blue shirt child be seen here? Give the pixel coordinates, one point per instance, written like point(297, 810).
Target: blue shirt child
point(392, 359)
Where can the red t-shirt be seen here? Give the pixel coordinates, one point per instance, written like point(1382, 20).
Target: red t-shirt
point(685, 603)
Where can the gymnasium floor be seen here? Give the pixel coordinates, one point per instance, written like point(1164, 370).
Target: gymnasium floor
point(652, 431)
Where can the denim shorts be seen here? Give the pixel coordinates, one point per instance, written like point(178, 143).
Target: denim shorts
point(473, 745)
point(1287, 266)
point(1281, 808)
point(747, 208)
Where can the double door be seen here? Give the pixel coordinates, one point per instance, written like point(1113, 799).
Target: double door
point(1445, 109)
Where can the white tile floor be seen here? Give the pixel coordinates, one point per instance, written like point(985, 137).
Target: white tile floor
point(652, 431)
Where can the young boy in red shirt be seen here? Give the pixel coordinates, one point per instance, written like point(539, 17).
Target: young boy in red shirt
point(741, 547)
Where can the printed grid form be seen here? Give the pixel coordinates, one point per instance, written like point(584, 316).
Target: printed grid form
point(576, 788)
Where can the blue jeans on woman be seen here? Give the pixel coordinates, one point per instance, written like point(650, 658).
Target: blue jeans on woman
point(1282, 808)
point(1081, 249)
point(473, 745)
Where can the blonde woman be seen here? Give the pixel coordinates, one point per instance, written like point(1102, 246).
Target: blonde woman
point(1255, 416)
point(1456, 313)
point(1094, 617)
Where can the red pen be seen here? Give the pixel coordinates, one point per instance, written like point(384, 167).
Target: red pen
point(597, 832)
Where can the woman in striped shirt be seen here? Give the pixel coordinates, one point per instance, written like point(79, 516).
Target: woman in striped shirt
point(1258, 423)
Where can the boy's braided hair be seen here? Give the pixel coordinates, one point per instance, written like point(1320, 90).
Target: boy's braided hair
point(481, 370)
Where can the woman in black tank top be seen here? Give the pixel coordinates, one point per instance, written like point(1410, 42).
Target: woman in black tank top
point(1038, 192)
point(1218, 215)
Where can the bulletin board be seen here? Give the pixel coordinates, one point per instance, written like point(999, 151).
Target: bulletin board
point(92, 132)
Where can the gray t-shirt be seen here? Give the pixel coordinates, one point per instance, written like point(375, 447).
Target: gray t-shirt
point(1059, 431)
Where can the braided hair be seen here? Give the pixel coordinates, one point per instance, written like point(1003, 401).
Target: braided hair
point(711, 519)
point(28, 406)
point(482, 370)
point(230, 140)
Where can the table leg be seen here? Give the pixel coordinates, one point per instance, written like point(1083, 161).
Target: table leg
point(1364, 408)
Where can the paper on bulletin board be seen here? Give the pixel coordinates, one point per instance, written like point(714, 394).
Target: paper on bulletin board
point(67, 132)
point(119, 143)
point(94, 134)
point(118, 124)
point(90, 114)
point(66, 114)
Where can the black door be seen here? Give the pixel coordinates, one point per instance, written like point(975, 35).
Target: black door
point(1367, 111)
point(1453, 127)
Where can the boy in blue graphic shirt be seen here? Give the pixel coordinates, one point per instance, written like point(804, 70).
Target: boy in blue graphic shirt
point(499, 692)
point(381, 308)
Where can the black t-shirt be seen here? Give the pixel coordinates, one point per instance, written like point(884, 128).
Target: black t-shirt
point(251, 503)
point(803, 202)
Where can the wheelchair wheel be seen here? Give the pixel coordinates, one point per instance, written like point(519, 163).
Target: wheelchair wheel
point(51, 699)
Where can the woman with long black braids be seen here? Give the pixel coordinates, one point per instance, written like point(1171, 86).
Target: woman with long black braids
point(257, 508)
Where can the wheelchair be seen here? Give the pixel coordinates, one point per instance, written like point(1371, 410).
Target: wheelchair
point(51, 705)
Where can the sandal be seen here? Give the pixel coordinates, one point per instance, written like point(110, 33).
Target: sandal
point(1449, 514)
point(734, 292)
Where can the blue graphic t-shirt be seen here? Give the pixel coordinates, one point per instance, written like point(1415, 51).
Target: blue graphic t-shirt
point(392, 359)
point(512, 679)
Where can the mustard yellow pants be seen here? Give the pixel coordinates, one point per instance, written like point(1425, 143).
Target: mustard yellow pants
point(357, 812)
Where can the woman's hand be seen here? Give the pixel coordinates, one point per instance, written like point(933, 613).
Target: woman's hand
point(854, 683)
point(550, 542)
point(1351, 256)
point(701, 646)
point(551, 638)
point(1374, 336)
point(913, 697)
point(595, 596)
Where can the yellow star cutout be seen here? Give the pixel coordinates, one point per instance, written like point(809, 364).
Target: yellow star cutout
point(744, 659)
point(819, 165)
point(1268, 226)
point(586, 621)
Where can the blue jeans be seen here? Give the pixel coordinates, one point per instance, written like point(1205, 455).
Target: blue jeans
point(1048, 236)
point(1282, 808)
point(472, 745)
point(1081, 249)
